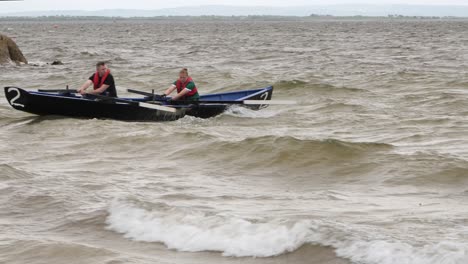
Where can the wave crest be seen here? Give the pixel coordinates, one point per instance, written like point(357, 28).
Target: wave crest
point(198, 231)
point(194, 231)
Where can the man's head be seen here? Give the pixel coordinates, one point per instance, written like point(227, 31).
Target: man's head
point(183, 75)
point(101, 68)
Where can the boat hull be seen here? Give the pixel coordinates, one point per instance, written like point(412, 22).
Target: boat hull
point(43, 103)
point(46, 104)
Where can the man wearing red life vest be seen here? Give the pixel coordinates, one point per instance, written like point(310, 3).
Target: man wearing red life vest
point(102, 81)
point(186, 89)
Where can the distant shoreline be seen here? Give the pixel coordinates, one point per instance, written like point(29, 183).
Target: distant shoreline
point(334, 10)
point(228, 18)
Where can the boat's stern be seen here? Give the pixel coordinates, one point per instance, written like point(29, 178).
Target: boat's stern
point(264, 94)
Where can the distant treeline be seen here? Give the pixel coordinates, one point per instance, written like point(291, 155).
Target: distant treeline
point(229, 18)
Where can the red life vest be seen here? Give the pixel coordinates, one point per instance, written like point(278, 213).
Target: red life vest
point(96, 82)
point(181, 86)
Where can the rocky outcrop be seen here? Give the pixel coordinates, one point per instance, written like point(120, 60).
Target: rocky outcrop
point(9, 51)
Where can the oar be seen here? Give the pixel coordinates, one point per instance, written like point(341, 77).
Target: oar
point(141, 104)
point(143, 93)
point(241, 102)
point(56, 91)
point(245, 102)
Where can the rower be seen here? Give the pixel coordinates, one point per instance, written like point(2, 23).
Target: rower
point(186, 89)
point(102, 81)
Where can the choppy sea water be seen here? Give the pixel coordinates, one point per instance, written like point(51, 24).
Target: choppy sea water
point(370, 166)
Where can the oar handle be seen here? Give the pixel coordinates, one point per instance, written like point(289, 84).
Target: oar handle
point(152, 96)
point(111, 99)
point(57, 91)
point(140, 104)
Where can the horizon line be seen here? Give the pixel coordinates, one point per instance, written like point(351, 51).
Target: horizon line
point(338, 10)
point(246, 6)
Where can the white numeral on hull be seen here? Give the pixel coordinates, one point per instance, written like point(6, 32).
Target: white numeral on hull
point(13, 100)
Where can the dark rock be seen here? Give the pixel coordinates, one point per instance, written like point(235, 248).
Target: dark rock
point(9, 51)
point(57, 62)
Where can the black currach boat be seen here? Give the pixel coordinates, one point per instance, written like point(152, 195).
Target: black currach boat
point(146, 108)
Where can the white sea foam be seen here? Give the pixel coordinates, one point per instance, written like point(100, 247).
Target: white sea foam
point(385, 252)
point(196, 231)
point(201, 232)
point(239, 111)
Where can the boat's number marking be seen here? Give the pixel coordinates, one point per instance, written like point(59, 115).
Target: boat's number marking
point(264, 96)
point(13, 100)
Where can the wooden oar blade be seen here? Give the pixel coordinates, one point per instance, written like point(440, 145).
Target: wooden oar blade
point(158, 107)
point(140, 104)
point(244, 102)
point(269, 102)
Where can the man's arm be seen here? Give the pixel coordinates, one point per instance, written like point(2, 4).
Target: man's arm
point(100, 90)
point(85, 86)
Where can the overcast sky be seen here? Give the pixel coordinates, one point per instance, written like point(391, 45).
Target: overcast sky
point(36, 5)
